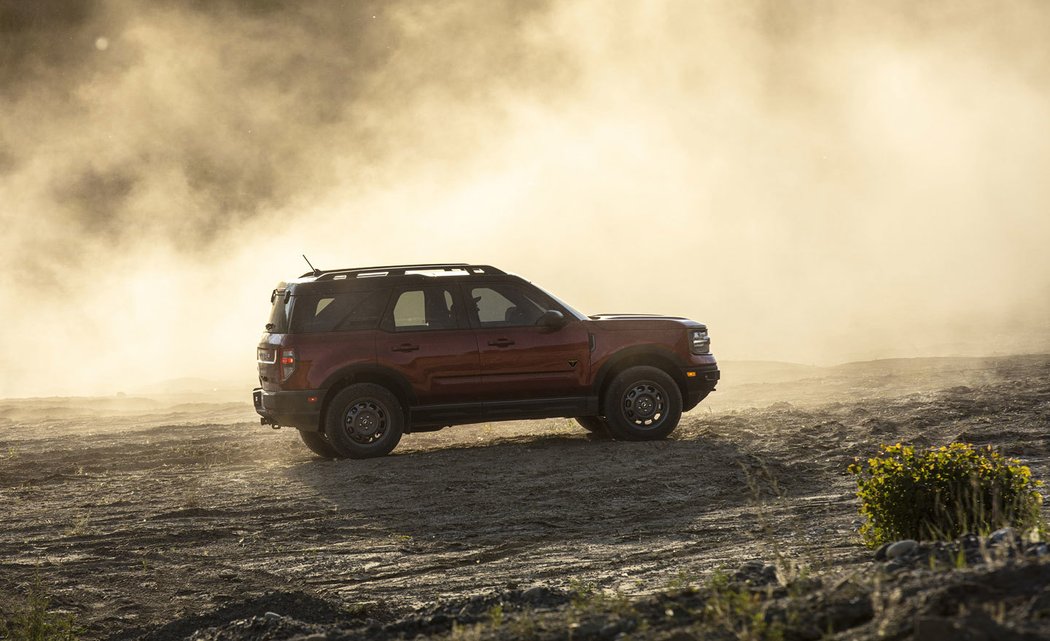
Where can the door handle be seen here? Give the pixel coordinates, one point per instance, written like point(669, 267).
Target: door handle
point(501, 342)
point(405, 347)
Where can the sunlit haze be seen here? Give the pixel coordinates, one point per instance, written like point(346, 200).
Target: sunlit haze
point(817, 181)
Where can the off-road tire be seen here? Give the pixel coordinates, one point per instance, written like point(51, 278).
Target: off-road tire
point(642, 404)
point(594, 424)
point(318, 444)
point(364, 421)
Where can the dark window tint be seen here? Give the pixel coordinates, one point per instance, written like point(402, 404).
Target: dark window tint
point(282, 304)
point(502, 305)
point(424, 308)
point(338, 312)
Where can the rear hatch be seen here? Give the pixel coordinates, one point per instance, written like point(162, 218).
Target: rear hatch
point(268, 352)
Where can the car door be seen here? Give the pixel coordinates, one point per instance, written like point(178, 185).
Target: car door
point(430, 345)
point(520, 360)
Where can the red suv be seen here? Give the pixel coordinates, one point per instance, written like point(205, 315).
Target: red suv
point(354, 358)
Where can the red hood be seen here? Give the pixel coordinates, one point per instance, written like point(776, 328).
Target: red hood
point(643, 321)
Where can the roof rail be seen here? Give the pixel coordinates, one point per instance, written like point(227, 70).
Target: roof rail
point(401, 270)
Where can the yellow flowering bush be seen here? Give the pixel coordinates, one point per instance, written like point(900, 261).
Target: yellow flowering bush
point(943, 492)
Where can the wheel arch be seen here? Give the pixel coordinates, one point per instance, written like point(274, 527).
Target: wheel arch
point(389, 379)
point(650, 356)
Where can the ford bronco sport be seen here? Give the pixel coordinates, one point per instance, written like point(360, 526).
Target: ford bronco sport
point(354, 358)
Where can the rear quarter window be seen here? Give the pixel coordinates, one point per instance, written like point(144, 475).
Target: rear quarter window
point(338, 311)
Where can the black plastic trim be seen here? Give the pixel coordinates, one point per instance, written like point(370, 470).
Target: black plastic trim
point(478, 412)
point(289, 408)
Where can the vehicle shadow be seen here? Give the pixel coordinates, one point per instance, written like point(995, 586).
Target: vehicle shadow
point(554, 488)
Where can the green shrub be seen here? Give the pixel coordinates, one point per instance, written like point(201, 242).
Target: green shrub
point(941, 493)
point(32, 620)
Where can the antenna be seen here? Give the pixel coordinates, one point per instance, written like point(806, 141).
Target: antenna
point(317, 272)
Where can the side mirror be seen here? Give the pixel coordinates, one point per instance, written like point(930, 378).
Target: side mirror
point(551, 319)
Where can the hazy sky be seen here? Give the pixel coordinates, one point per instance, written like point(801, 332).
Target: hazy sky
point(818, 181)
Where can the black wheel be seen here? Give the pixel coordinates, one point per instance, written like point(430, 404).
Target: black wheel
point(364, 420)
point(594, 424)
point(642, 404)
point(318, 444)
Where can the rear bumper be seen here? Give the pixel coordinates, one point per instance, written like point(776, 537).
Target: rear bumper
point(700, 380)
point(300, 409)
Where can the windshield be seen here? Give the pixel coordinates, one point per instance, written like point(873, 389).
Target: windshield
point(573, 312)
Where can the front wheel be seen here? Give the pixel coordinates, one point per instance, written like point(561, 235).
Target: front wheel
point(594, 424)
point(363, 421)
point(318, 444)
point(642, 404)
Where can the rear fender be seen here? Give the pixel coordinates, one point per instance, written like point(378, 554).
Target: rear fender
point(367, 374)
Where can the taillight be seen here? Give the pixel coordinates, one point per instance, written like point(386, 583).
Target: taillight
point(287, 364)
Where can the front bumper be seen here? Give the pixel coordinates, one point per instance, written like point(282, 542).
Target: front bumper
point(700, 380)
point(300, 409)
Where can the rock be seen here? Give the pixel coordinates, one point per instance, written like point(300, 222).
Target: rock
point(590, 628)
point(901, 549)
point(534, 594)
point(756, 573)
point(970, 541)
point(844, 615)
point(1037, 550)
point(936, 629)
point(896, 565)
point(316, 637)
point(1003, 535)
point(272, 616)
point(974, 627)
point(880, 554)
point(610, 630)
point(1039, 605)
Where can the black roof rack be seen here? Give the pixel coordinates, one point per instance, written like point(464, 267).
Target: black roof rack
point(401, 270)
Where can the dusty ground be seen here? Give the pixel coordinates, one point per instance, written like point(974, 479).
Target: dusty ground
point(137, 513)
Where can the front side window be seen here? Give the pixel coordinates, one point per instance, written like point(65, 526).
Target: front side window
point(422, 309)
point(504, 305)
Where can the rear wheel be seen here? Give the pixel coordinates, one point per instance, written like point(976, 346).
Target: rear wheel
point(594, 424)
point(318, 444)
point(641, 404)
point(363, 421)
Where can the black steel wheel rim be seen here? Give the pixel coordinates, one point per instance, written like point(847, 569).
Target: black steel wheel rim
point(366, 420)
point(644, 404)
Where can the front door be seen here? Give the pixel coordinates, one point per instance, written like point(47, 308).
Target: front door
point(520, 360)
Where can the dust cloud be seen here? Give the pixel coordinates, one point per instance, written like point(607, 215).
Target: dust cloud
point(818, 181)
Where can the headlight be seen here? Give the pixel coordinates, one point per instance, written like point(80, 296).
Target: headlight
point(700, 341)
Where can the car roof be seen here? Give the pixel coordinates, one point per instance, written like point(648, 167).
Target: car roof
point(384, 276)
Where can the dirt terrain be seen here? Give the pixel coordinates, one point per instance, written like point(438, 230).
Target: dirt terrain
point(160, 516)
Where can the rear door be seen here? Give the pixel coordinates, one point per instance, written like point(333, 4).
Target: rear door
point(520, 360)
point(428, 342)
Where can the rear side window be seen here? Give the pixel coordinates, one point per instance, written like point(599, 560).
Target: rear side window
point(337, 312)
point(422, 309)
